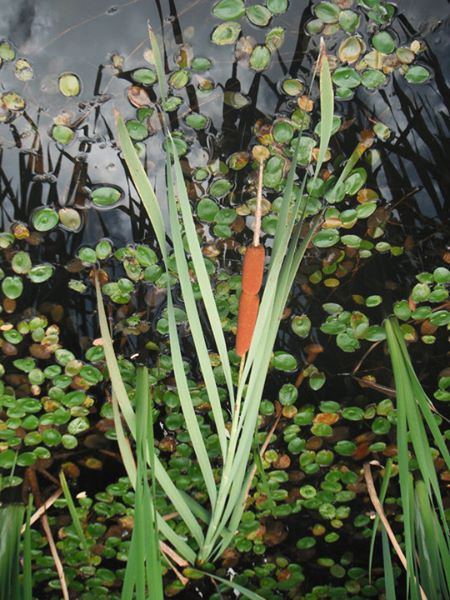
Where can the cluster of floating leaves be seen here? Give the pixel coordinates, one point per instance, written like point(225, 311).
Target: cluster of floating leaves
point(314, 468)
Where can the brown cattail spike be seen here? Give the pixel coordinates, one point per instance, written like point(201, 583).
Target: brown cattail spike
point(253, 269)
point(248, 312)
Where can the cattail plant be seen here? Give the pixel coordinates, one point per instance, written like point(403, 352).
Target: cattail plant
point(214, 525)
point(252, 268)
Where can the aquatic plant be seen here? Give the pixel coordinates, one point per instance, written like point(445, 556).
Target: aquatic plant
point(226, 501)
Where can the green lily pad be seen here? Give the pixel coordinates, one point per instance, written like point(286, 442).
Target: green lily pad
point(21, 263)
point(305, 148)
point(326, 238)
point(349, 21)
point(179, 79)
point(327, 12)
point(314, 27)
point(197, 121)
point(172, 103)
point(343, 93)
point(275, 38)
point(277, 7)
point(137, 130)
point(288, 394)
point(69, 84)
point(282, 361)
point(62, 134)
point(144, 76)
point(220, 187)
point(229, 9)
point(260, 58)
point(103, 249)
point(372, 79)
point(41, 273)
point(45, 219)
point(12, 287)
point(258, 15)
point(282, 132)
point(417, 74)
point(7, 52)
point(105, 196)
point(346, 77)
point(200, 64)
point(301, 325)
point(226, 33)
point(293, 87)
point(383, 42)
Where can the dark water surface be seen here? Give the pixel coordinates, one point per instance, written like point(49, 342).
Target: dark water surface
point(80, 37)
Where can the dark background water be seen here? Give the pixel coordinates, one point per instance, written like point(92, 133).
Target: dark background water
point(60, 36)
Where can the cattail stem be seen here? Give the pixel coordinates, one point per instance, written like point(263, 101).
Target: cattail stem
point(258, 211)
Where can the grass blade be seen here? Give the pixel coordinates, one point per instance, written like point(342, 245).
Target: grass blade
point(27, 571)
point(73, 512)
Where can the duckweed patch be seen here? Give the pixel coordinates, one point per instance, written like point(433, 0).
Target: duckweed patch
point(372, 287)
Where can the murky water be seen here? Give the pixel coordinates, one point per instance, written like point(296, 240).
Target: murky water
point(86, 37)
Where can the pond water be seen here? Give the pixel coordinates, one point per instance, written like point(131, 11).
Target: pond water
point(103, 44)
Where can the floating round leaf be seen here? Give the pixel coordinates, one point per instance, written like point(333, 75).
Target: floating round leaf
point(220, 187)
point(327, 12)
point(282, 361)
point(7, 52)
point(326, 238)
point(12, 101)
point(62, 134)
point(21, 263)
point(260, 58)
point(229, 9)
point(196, 121)
point(144, 76)
point(417, 74)
point(342, 93)
point(69, 84)
point(226, 33)
point(172, 103)
point(301, 325)
point(41, 273)
point(275, 38)
point(238, 160)
point(277, 7)
point(179, 79)
point(258, 15)
point(350, 49)
point(137, 130)
point(372, 79)
point(282, 132)
point(314, 27)
point(405, 55)
point(105, 196)
point(23, 70)
point(383, 42)
point(292, 87)
point(69, 219)
point(346, 77)
point(200, 64)
point(349, 21)
point(12, 287)
point(181, 145)
point(44, 219)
